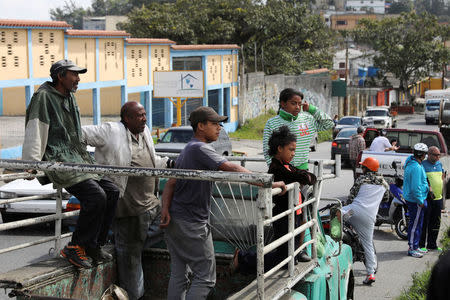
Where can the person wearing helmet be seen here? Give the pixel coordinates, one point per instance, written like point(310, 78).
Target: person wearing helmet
point(362, 207)
point(415, 191)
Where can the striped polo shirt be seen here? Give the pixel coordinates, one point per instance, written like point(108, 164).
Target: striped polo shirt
point(305, 125)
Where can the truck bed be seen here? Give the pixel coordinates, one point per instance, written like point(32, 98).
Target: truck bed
point(275, 286)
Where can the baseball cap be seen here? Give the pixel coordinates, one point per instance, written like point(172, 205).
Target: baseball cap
point(205, 113)
point(66, 64)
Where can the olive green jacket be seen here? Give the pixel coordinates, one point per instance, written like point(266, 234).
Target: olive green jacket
point(53, 133)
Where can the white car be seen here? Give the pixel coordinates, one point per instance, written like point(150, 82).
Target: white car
point(30, 208)
point(379, 116)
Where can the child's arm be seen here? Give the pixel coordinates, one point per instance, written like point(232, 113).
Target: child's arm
point(294, 175)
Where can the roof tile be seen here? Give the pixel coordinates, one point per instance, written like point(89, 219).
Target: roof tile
point(33, 23)
point(205, 47)
point(149, 41)
point(77, 32)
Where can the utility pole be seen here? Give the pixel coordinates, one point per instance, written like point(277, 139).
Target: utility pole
point(256, 65)
point(346, 78)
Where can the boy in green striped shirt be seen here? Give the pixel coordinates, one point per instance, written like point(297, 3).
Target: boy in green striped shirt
point(303, 119)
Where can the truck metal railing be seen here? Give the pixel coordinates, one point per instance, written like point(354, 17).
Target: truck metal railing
point(264, 203)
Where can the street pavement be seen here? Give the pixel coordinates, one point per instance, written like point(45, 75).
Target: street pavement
point(395, 268)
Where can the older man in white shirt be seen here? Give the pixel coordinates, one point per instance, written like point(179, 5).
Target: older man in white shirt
point(129, 143)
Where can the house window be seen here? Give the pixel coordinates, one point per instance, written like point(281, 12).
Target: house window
point(187, 63)
point(341, 22)
point(341, 65)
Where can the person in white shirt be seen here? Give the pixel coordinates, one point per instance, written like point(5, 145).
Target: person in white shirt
point(382, 144)
point(365, 197)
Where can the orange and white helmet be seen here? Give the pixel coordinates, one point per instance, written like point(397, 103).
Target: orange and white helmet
point(371, 163)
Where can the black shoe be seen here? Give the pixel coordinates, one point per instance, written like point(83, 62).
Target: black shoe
point(76, 255)
point(98, 254)
point(303, 257)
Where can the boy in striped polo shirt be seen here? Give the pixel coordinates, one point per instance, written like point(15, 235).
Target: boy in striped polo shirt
point(303, 119)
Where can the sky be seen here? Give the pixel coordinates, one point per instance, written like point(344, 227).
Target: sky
point(33, 9)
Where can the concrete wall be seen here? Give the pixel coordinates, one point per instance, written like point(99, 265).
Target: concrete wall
point(259, 93)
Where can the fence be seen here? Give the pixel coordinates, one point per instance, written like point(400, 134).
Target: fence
point(264, 207)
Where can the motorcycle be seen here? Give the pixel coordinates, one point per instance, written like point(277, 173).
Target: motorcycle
point(349, 237)
point(394, 211)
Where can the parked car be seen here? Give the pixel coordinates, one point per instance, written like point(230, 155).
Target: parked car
point(341, 142)
point(176, 138)
point(30, 208)
point(379, 116)
point(346, 122)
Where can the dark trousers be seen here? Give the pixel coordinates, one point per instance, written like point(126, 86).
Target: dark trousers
point(98, 201)
point(431, 224)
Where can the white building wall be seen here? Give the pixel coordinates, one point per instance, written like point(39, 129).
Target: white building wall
point(377, 6)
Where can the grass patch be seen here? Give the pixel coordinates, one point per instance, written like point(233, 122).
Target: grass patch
point(324, 136)
point(418, 290)
point(253, 129)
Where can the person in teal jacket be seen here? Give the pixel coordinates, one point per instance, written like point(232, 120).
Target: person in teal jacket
point(415, 191)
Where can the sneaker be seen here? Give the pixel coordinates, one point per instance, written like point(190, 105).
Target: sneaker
point(98, 254)
point(303, 257)
point(415, 253)
point(439, 249)
point(76, 255)
point(369, 279)
point(422, 250)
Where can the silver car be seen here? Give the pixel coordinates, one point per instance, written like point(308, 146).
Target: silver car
point(176, 138)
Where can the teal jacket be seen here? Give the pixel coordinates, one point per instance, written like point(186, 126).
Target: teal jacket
point(415, 185)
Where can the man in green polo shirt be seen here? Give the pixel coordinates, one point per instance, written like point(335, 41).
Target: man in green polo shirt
point(432, 217)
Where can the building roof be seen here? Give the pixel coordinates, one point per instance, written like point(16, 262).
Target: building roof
point(34, 23)
point(205, 47)
point(77, 32)
point(149, 41)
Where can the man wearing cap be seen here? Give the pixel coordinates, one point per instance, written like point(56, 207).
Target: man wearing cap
point(53, 133)
point(355, 146)
point(185, 210)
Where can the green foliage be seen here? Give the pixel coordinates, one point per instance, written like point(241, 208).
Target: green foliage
point(324, 136)
point(409, 46)
point(400, 7)
point(253, 129)
point(282, 35)
point(418, 289)
point(70, 13)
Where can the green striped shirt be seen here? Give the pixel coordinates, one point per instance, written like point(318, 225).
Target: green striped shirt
point(304, 126)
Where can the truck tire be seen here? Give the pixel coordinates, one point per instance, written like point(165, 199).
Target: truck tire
point(350, 286)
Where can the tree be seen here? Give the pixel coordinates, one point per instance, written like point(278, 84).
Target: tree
point(409, 46)
point(400, 6)
point(283, 34)
point(70, 13)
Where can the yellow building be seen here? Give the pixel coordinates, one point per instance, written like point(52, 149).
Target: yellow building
point(119, 68)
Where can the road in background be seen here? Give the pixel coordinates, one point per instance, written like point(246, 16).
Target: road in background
point(395, 268)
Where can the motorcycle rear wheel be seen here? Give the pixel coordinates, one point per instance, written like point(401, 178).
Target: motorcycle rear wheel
point(401, 229)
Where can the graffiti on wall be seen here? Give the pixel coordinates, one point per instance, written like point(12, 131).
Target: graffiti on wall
point(254, 101)
point(317, 99)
